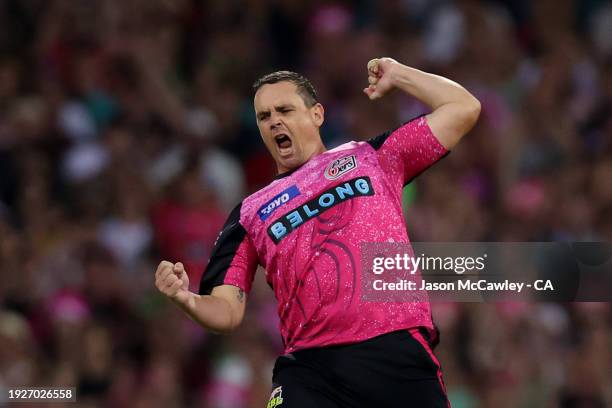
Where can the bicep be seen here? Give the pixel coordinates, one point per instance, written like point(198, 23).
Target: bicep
point(235, 298)
point(450, 122)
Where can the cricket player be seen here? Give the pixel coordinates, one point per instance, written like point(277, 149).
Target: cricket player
point(305, 229)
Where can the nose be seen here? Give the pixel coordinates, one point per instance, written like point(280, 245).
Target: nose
point(275, 122)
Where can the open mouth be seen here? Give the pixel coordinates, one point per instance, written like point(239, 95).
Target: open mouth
point(284, 143)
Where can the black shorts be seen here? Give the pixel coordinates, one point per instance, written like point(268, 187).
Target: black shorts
point(398, 369)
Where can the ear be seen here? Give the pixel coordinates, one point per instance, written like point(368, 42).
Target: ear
point(317, 113)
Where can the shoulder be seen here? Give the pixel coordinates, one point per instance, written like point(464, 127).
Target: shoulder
point(413, 127)
point(275, 186)
point(352, 145)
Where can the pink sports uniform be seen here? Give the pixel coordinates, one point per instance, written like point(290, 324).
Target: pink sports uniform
point(306, 227)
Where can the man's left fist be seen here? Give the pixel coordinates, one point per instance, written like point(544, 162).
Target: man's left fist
point(379, 77)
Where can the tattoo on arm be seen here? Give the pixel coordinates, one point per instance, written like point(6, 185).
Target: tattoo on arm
point(240, 295)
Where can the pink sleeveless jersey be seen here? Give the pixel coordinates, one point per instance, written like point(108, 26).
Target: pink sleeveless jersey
point(305, 229)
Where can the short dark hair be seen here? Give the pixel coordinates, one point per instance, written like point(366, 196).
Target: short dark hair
point(304, 87)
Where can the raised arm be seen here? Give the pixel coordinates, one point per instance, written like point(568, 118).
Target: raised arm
point(454, 110)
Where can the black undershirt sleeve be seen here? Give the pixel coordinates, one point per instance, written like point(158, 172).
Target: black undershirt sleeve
point(224, 251)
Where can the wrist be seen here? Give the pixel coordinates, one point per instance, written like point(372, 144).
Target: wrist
point(186, 302)
point(399, 75)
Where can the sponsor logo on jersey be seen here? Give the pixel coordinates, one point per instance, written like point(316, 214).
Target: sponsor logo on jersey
point(357, 187)
point(340, 166)
point(266, 210)
point(276, 398)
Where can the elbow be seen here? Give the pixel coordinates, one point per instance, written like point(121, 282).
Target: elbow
point(225, 329)
point(234, 324)
point(468, 113)
point(222, 331)
point(229, 327)
point(472, 111)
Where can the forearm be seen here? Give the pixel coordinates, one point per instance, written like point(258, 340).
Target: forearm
point(433, 90)
point(455, 110)
point(211, 312)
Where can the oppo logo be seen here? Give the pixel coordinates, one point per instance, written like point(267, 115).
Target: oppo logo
point(277, 201)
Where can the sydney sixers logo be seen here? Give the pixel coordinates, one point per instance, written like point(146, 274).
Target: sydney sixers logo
point(340, 166)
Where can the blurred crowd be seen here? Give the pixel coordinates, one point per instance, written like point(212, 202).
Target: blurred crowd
point(127, 134)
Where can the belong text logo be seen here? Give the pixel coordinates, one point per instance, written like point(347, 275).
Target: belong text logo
point(357, 187)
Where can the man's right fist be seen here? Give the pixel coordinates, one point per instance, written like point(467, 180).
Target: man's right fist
point(172, 280)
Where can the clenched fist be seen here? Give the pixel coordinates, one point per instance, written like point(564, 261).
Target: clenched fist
point(380, 73)
point(172, 280)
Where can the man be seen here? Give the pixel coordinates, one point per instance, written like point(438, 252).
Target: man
point(305, 228)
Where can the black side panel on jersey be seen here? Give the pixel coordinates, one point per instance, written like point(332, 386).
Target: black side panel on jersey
point(223, 253)
point(422, 171)
point(378, 141)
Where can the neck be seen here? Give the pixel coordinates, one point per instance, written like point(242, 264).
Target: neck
point(320, 149)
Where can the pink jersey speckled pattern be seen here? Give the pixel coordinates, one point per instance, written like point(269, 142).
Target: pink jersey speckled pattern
point(306, 228)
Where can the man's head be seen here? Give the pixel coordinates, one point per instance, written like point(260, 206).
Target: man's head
point(289, 118)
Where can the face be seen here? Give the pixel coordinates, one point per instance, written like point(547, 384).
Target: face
point(289, 129)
